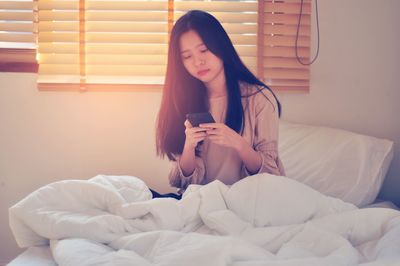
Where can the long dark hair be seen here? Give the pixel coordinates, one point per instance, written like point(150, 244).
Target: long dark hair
point(183, 94)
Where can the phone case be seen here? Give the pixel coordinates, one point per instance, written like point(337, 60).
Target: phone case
point(200, 118)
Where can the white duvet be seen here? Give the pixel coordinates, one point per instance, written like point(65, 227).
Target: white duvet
point(261, 220)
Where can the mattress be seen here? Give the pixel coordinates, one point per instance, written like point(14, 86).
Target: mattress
point(34, 256)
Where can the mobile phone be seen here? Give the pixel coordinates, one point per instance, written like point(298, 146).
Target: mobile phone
point(200, 118)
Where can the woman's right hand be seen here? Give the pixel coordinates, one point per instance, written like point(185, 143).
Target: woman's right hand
point(193, 135)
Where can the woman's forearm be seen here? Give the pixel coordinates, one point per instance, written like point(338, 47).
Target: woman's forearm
point(187, 161)
point(251, 159)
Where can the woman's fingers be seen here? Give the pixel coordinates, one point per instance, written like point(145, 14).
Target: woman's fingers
point(195, 130)
point(214, 137)
point(200, 134)
point(195, 133)
point(187, 124)
point(212, 125)
point(214, 131)
point(199, 138)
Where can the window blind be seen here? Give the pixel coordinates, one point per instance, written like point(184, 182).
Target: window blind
point(277, 63)
point(124, 43)
point(102, 42)
point(239, 19)
point(18, 35)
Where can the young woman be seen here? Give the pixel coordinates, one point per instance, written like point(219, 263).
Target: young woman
point(205, 73)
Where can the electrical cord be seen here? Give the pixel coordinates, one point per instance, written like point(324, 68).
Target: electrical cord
point(297, 35)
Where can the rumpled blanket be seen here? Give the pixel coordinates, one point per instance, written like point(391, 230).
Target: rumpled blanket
point(260, 220)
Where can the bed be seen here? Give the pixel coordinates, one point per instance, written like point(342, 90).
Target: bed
point(34, 256)
point(323, 213)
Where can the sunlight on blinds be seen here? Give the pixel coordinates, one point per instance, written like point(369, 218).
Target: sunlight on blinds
point(281, 70)
point(17, 27)
point(124, 41)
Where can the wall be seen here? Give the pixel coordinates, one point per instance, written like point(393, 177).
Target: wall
point(355, 81)
point(50, 136)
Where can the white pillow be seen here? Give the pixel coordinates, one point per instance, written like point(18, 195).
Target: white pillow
point(335, 162)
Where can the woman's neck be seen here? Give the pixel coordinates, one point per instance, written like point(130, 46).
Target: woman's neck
point(217, 87)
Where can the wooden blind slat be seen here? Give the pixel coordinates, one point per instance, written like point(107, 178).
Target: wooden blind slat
point(17, 27)
point(60, 58)
point(282, 62)
point(286, 51)
point(126, 26)
point(60, 15)
point(126, 16)
point(136, 59)
point(138, 70)
point(227, 17)
point(246, 50)
point(287, 19)
point(58, 5)
point(46, 26)
point(276, 40)
point(113, 48)
point(217, 6)
point(286, 73)
point(59, 69)
point(7, 37)
point(127, 5)
point(286, 30)
point(59, 36)
point(287, 8)
point(17, 16)
point(17, 5)
point(126, 38)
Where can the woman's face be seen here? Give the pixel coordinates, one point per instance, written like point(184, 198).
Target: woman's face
point(200, 62)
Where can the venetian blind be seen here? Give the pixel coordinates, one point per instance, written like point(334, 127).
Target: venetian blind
point(120, 43)
point(277, 37)
point(17, 34)
point(102, 42)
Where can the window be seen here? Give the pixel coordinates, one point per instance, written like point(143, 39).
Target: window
point(92, 43)
point(18, 36)
point(121, 44)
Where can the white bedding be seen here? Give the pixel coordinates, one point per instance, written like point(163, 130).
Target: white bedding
point(261, 220)
point(34, 256)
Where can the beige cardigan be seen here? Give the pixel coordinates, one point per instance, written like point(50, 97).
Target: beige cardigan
point(224, 164)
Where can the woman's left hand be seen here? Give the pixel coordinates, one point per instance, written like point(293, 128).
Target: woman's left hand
point(221, 134)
